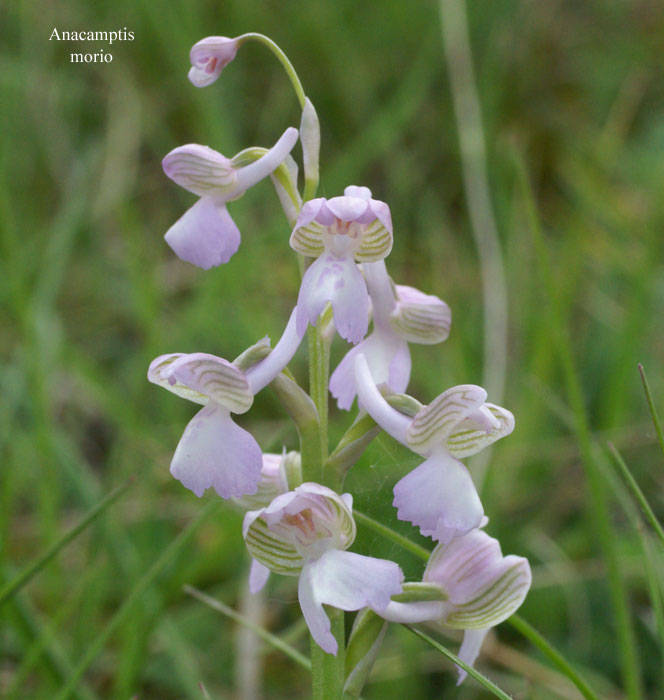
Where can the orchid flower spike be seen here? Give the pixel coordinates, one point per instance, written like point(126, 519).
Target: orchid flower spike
point(206, 235)
point(340, 231)
point(439, 496)
point(305, 533)
point(214, 451)
point(479, 588)
point(209, 57)
point(401, 315)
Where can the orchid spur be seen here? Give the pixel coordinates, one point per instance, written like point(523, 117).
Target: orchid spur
point(401, 315)
point(305, 533)
point(438, 496)
point(214, 451)
point(206, 235)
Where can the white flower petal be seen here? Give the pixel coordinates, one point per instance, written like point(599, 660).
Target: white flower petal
point(258, 576)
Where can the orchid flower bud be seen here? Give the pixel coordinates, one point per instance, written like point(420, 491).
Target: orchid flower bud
point(480, 588)
point(206, 235)
point(305, 533)
point(340, 231)
point(400, 315)
point(214, 451)
point(439, 496)
point(209, 57)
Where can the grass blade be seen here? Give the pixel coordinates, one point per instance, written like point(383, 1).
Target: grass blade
point(598, 499)
point(537, 640)
point(651, 405)
point(636, 492)
point(268, 637)
point(33, 569)
point(143, 583)
point(482, 680)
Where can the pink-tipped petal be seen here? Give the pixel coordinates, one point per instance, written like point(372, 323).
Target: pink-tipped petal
point(470, 650)
point(336, 280)
point(389, 419)
point(347, 208)
point(205, 235)
point(440, 498)
point(258, 576)
point(208, 58)
point(256, 171)
point(262, 373)
point(216, 453)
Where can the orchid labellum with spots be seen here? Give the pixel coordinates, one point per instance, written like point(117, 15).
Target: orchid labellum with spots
point(298, 518)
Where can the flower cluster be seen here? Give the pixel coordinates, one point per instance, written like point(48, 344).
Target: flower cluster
point(297, 523)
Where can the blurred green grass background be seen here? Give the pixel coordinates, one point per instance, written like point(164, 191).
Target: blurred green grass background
point(90, 293)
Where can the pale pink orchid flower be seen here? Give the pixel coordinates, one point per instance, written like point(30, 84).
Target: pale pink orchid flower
point(214, 452)
point(401, 315)
point(480, 588)
point(305, 533)
point(339, 232)
point(209, 57)
point(438, 496)
point(206, 235)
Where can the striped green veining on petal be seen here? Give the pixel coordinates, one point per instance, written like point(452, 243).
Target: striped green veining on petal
point(272, 551)
point(199, 174)
point(218, 379)
point(496, 603)
point(157, 375)
point(426, 323)
point(308, 240)
point(434, 422)
point(375, 244)
point(467, 439)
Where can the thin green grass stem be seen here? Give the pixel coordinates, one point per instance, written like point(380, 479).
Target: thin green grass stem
point(481, 679)
point(538, 641)
point(412, 547)
point(261, 632)
point(598, 499)
point(651, 405)
point(33, 569)
point(139, 589)
point(636, 492)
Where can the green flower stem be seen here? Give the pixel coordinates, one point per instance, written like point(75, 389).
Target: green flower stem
point(327, 671)
point(319, 371)
point(283, 59)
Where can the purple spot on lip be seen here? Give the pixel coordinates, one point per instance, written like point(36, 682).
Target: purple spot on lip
point(171, 379)
point(340, 283)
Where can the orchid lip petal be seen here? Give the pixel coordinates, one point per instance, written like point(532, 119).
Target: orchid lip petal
point(262, 373)
point(205, 235)
point(439, 497)
point(336, 280)
point(256, 171)
point(389, 419)
point(216, 453)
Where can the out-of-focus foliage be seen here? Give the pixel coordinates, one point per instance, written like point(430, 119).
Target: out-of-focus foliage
point(90, 293)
